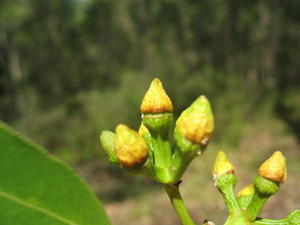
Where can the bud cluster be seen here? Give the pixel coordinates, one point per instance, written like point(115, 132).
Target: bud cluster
point(149, 150)
point(150, 153)
point(250, 200)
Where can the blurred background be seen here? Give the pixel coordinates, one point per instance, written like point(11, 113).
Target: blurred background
point(71, 68)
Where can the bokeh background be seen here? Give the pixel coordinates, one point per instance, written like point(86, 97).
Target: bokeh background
point(71, 68)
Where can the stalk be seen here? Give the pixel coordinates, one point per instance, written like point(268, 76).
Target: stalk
point(178, 204)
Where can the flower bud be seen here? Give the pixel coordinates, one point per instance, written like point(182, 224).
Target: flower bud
point(274, 168)
point(246, 191)
point(156, 100)
point(245, 195)
point(196, 123)
point(143, 130)
point(107, 140)
point(222, 165)
point(131, 148)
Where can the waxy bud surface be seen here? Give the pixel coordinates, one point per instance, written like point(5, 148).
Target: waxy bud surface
point(274, 168)
point(131, 148)
point(143, 130)
point(222, 165)
point(107, 140)
point(246, 191)
point(156, 100)
point(196, 123)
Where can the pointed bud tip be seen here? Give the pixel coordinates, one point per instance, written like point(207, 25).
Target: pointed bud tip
point(131, 149)
point(274, 168)
point(222, 165)
point(246, 191)
point(143, 130)
point(156, 99)
point(196, 123)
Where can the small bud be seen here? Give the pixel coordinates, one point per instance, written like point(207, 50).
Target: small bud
point(107, 140)
point(274, 168)
point(131, 148)
point(222, 165)
point(246, 191)
point(196, 123)
point(143, 130)
point(156, 100)
point(245, 195)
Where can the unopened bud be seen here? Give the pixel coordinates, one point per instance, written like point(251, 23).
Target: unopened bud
point(222, 165)
point(131, 148)
point(246, 191)
point(245, 195)
point(143, 130)
point(196, 123)
point(107, 140)
point(156, 100)
point(274, 168)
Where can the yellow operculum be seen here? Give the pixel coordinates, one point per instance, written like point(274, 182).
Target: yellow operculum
point(222, 165)
point(196, 123)
point(156, 100)
point(131, 149)
point(143, 130)
point(246, 191)
point(274, 168)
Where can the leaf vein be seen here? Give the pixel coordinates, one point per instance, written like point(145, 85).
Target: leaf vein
point(39, 209)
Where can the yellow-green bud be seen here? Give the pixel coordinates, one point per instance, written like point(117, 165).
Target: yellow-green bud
point(274, 168)
point(222, 165)
point(156, 100)
point(131, 148)
point(246, 191)
point(196, 123)
point(107, 140)
point(143, 130)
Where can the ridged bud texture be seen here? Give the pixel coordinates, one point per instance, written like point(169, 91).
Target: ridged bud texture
point(156, 100)
point(131, 148)
point(274, 168)
point(196, 123)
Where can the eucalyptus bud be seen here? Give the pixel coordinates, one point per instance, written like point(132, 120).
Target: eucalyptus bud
point(143, 130)
point(157, 110)
point(131, 148)
point(245, 196)
point(196, 123)
point(246, 191)
point(222, 165)
point(156, 100)
point(270, 175)
point(274, 168)
point(107, 140)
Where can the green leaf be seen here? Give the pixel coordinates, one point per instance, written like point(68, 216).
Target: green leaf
point(37, 189)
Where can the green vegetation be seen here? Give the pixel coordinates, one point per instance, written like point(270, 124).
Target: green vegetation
point(38, 189)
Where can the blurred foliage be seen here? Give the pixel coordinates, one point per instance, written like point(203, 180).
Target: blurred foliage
point(69, 68)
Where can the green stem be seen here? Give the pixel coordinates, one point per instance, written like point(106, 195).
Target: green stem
point(256, 205)
point(178, 204)
point(230, 199)
point(225, 183)
point(263, 190)
point(292, 219)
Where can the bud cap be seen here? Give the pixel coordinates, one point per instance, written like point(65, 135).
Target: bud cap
point(156, 100)
point(196, 123)
point(222, 165)
point(131, 149)
point(143, 130)
point(274, 168)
